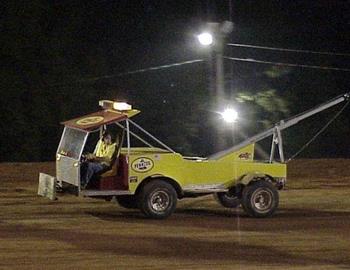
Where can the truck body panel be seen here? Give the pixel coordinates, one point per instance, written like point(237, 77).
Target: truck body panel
point(192, 173)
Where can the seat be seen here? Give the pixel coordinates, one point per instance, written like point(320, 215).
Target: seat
point(117, 177)
point(113, 169)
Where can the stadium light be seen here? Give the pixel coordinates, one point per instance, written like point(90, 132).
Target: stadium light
point(229, 115)
point(205, 39)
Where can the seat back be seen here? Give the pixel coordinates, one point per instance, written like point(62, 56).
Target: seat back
point(118, 177)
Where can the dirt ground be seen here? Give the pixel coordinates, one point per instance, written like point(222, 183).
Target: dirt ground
point(311, 229)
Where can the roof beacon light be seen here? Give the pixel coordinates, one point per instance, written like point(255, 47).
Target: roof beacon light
point(114, 105)
point(121, 106)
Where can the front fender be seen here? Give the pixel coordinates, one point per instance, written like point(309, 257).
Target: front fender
point(166, 178)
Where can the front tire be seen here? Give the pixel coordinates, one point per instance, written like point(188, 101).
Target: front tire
point(260, 199)
point(157, 199)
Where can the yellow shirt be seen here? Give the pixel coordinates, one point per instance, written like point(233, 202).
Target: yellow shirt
point(105, 151)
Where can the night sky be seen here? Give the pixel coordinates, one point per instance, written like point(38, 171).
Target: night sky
point(61, 57)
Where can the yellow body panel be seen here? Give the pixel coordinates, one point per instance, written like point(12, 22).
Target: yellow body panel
point(191, 173)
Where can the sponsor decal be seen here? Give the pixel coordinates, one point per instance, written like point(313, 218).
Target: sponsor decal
point(133, 179)
point(244, 156)
point(142, 164)
point(89, 120)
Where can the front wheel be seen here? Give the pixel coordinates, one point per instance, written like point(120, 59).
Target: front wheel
point(260, 199)
point(157, 199)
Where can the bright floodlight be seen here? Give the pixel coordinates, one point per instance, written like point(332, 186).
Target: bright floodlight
point(230, 115)
point(205, 39)
point(121, 106)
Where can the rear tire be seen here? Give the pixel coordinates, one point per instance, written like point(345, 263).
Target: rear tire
point(127, 201)
point(157, 199)
point(230, 199)
point(260, 199)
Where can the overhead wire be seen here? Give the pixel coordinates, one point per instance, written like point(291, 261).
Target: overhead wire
point(225, 57)
point(136, 71)
point(285, 64)
point(287, 50)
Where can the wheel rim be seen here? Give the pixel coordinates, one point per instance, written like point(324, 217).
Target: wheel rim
point(160, 201)
point(262, 200)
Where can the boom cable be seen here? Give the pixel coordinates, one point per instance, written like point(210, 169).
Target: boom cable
point(319, 132)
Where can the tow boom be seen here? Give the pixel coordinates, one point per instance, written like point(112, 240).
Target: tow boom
point(281, 125)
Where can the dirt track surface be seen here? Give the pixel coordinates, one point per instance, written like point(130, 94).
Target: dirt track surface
point(311, 229)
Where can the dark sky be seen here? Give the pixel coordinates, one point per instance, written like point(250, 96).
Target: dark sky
point(51, 50)
point(143, 33)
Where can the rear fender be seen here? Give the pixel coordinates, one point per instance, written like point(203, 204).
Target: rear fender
point(251, 177)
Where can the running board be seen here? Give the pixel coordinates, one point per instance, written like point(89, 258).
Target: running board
point(204, 189)
point(212, 190)
point(97, 193)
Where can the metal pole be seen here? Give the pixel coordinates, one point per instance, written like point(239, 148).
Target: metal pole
point(273, 147)
point(219, 94)
point(150, 135)
point(218, 87)
point(128, 135)
point(219, 32)
point(219, 74)
point(136, 136)
point(280, 144)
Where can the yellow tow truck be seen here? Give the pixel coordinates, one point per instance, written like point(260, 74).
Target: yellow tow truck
point(152, 177)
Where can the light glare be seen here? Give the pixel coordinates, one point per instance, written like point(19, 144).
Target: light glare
point(230, 115)
point(205, 39)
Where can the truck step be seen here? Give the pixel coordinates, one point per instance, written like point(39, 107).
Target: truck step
point(206, 188)
point(96, 193)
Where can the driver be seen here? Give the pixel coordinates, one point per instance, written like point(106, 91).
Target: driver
point(100, 160)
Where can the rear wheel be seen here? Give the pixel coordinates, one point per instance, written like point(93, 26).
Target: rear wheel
point(229, 199)
point(127, 201)
point(157, 199)
point(260, 199)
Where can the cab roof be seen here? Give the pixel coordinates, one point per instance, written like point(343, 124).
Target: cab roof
point(94, 120)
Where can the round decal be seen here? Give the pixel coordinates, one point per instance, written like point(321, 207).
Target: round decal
point(142, 164)
point(89, 120)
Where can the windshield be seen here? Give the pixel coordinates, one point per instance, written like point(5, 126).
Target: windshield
point(72, 143)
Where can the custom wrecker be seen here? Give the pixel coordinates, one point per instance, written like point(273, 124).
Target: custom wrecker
point(153, 177)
